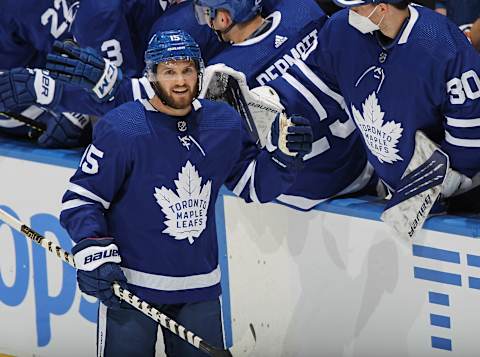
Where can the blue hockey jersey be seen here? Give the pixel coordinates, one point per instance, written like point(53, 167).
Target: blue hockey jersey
point(426, 79)
point(28, 29)
point(119, 29)
point(337, 163)
point(182, 16)
point(151, 181)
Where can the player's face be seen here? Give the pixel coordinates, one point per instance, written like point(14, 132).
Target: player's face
point(178, 83)
point(370, 11)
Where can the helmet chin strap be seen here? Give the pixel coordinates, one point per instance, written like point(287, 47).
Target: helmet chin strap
point(220, 33)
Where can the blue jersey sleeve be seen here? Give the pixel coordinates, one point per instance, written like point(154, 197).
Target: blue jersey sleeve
point(76, 99)
point(103, 26)
point(461, 106)
point(101, 172)
point(257, 175)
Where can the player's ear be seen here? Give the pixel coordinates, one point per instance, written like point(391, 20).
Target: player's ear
point(223, 18)
point(384, 8)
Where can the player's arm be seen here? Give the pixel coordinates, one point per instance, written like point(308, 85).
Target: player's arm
point(461, 109)
point(103, 27)
point(261, 175)
point(94, 185)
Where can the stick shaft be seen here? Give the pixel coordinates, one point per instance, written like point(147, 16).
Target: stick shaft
point(123, 294)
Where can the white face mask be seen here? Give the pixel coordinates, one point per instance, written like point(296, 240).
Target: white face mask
point(362, 23)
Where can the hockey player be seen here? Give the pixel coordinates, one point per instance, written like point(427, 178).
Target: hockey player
point(263, 48)
point(27, 32)
point(403, 69)
point(118, 29)
point(143, 200)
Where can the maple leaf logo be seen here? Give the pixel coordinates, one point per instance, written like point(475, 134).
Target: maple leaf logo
point(381, 138)
point(186, 210)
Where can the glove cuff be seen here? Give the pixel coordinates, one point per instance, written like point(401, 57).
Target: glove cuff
point(90, 253)
point(108, 83)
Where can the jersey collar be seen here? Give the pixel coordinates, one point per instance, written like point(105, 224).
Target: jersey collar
point(195, 104)
point(275, 18)
point(409, 27)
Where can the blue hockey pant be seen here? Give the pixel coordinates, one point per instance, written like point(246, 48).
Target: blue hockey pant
point(127, 332)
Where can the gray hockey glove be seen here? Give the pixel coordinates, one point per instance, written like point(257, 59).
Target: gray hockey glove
point(86, 68)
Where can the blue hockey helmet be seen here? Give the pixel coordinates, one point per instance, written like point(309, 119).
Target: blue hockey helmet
point(240, 10)
point(351, 3)
point(173, 45)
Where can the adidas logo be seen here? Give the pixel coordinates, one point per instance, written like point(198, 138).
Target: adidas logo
point(280, 40)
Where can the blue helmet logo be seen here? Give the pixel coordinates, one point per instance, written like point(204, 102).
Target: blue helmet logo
point(174, 45)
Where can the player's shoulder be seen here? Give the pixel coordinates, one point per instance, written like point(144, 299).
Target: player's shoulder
point(435, 34)
point(217, 115)
point(126, 121)
point(101, 10)
point(298, 10)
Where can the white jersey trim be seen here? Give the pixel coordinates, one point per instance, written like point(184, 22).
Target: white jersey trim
point(102, 330)
point(468, 143)
point(408, 29)
point(240, 186)
point(319, 83)
point(276, 19)
point(253, 192)
point(74, 204)
point(318, 147)
point(172, 283)
point(463, 123)
point(321, 112)
point(85, 193)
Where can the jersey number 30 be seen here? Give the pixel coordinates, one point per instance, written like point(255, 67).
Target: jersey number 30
point(467, 86)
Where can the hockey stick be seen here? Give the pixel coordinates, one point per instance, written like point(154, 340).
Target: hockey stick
point(235, 98)
point(40, 127)
point(123, 294)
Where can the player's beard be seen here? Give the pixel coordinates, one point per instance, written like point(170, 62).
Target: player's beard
point(170, 99)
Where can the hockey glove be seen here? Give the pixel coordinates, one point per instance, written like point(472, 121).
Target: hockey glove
point(86, 68)
point(97, 261)
point(65, 130)
point(290, 139)
point(21, 87)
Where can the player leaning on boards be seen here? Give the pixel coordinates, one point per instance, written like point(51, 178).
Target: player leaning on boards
point(146, 189)
point(405, 70)
point(262, 48)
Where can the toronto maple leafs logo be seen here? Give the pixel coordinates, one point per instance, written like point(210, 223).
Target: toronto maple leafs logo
point(381, 138)
point(186, 210)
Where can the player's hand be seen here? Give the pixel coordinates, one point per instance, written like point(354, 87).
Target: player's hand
point(290, 137)
point(84, 67)
point(65, 130)
point(95, 277)
point(21, 87)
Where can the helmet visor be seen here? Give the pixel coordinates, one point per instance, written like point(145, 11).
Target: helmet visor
point(203, 14)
